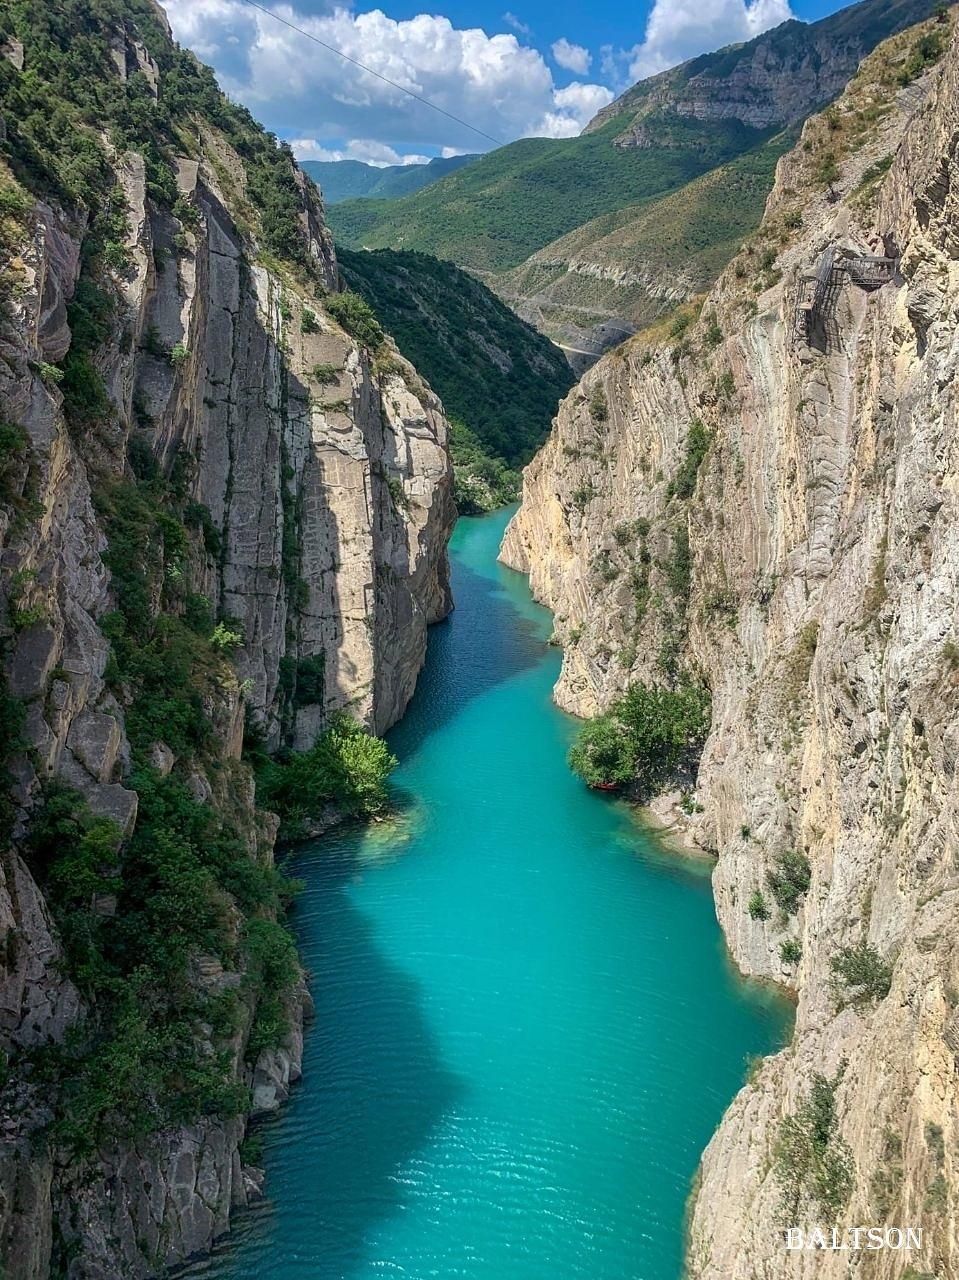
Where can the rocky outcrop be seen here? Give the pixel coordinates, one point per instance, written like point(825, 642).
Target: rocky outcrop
point(772, 509)
point(317, 486)
point(775, 79)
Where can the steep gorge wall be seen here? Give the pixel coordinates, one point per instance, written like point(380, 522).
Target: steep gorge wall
point(809, 573)
point(322, 508)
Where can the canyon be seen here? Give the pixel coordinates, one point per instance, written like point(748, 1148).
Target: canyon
point(314, 483)
point(225, 503)
point(766, 504)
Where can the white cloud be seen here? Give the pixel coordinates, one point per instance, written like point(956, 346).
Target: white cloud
point(297, 88)
point(377, 154)
point(575, 102)
point(517, 24)
point(680, 29)
point(572, 56)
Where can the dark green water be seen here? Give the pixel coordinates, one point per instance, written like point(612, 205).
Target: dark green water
point(526, 1027)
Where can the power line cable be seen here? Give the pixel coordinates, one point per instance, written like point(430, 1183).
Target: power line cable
point(363, 67)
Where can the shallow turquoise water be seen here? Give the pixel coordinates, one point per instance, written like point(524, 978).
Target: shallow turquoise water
point(526, 1026)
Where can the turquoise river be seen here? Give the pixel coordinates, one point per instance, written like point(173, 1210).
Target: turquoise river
point(526, 1025)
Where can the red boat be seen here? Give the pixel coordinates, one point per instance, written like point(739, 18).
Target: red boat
point(604, 786)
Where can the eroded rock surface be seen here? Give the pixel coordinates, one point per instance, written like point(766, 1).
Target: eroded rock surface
point(809, 572)
point(321, 486)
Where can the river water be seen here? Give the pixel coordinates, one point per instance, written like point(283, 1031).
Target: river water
point(526, 1026)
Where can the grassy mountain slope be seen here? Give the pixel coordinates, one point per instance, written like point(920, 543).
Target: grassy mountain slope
point(624, 269)
point(789, 70)
point(500, 380)
point(350, 179)
point(497, 211)
point(664, 133)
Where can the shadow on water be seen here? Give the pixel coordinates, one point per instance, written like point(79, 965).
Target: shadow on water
point(378, 1090)
point(484, 642)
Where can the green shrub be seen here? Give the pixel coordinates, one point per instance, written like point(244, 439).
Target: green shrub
point(197, 515)
point(827, 169)
point(11, 743)
point(643, 738)
point(178, 354)
point(811, 1159)
point(346, 768)
point(272, 969)
point(714, 333)
point(303, 680)
point(226, 638)
point(14, 449)
point(356, 316)
point(684, 483)
point(309, 322)
point(926, 51)
point(861, 975)
point(757, 908)
point(598, 405)
point(186, 212)
point(790, 951)
point(789, 879)
point(325, 374)
point(679, 567)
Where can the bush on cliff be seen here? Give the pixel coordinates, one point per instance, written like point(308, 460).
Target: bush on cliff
point(643, 738)
point(346, 768)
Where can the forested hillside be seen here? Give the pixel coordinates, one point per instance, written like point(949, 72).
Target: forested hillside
point(500, 380)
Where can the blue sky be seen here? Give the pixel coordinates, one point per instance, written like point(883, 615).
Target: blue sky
point(523, 68)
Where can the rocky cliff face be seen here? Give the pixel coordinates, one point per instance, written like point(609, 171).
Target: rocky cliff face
point(316, 487)
point(772, 509)
point(775, 79)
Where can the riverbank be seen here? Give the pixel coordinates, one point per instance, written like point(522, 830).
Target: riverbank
point(527, 1029)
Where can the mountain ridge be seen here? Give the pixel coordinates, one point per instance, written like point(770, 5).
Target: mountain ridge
point(341, 180)
point(662, 134)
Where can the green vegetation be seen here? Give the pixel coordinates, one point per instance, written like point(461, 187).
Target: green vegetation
point(694, 231)
point(347, 768)
point(351, 179)
point(500, 381)
point(812, 1160)
point(926, 50)
point(886, 1183)
point(11, 724)
point(138, 1062)
point(496, 376)
point(790, 951)
point(861, 975)
point(357, 318)
point(56, 112)
point(14, 451)
point(598, 404)
point(683, 483)
point(643, 738)
point(757, 906)
point(492, 214)
point(789, 879)
point(327, 375)
point(480, 482)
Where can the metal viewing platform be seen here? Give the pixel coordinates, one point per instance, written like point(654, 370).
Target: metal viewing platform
point(820, 289)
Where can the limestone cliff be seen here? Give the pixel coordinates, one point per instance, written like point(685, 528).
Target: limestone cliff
point(769, 504)
point(776, 78)
point(176, 390)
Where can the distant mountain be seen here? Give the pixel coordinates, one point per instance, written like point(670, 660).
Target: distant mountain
point(500, 380)
point(352, 179)
point(509, 215)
